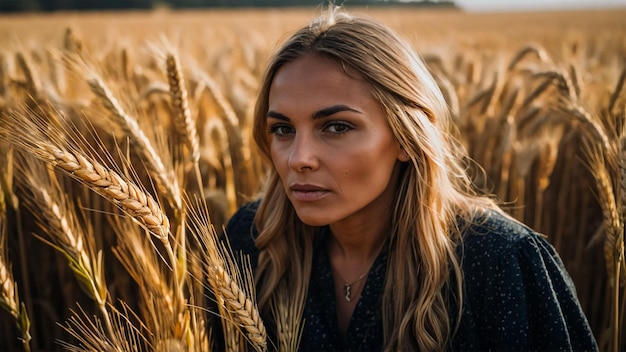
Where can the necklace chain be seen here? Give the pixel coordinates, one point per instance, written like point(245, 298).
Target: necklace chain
point(347, 287)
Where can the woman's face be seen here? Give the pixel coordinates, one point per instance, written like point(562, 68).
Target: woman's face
point(331, 144)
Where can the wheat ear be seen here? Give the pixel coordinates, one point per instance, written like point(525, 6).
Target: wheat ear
point(132, 199)
point(71, 42)
point(563, 83)
point(8, 288)
point(614, 227)
point(289, 323)
point(233, 286)
point(27, 131)
point(143, 146)
point(593, 127)
point(241, 307)
point(618, 245)
point(185, 124)
point(108, 183)
point(529, 49)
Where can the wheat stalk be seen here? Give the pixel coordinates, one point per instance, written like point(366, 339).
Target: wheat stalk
point(537, 91)
point(33, 85)
point(236, 144)
point(619, 259)
point(216, 149)
point(126, 64)
point(186, 126)
point(71, 42)
point(57, 75)
point(50, 205)
point(9, 296)
point(618, 89)
point(91, 335)
point(8, 293)
point(547, 160)
point(574, 83)
point(161, 305)
point(4, 75)
point(527, 50)
point(202, 330)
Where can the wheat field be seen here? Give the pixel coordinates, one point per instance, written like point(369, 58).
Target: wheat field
point(126, 145)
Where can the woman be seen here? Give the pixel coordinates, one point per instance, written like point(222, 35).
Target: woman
point(368, 222)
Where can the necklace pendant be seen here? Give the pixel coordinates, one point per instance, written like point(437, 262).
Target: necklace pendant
point(347, 293)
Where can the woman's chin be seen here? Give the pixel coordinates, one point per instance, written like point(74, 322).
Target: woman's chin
point(313, 219)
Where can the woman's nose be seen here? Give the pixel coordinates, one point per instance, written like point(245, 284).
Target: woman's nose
point(303, 154)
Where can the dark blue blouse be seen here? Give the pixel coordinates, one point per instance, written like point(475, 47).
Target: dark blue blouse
point(517, 293)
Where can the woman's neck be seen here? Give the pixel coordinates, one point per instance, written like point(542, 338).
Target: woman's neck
point(357, 243)
point(351, 255)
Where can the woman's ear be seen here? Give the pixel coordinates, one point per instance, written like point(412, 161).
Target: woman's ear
point(403, 155)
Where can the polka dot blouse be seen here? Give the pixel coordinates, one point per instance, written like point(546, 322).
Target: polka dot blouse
point(517, 295)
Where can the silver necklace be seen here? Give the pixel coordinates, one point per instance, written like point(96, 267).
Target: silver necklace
point(347, 287)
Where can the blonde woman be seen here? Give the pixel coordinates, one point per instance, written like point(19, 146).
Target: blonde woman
point(368, 222)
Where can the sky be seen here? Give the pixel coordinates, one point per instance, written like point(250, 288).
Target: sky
point(508, 5)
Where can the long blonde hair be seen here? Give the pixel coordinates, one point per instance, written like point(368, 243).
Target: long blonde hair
point(433, 191)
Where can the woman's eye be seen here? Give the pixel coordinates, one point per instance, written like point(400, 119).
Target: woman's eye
point(338, 127)
point(281, 130)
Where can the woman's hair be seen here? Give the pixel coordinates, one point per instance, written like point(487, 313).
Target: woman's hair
point(433, 189)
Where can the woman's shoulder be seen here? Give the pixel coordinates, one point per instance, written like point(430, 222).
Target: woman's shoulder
point(493, 242)
point(501, 256)
point(514, 282)
point(493, 233)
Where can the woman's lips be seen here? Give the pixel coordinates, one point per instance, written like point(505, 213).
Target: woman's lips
point(308, 193)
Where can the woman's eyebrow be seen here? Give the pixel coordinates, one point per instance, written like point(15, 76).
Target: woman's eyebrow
point(318, 114)
point(277, 115)
point(332, 110)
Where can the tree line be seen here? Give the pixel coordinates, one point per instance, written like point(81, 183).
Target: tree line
point(78, 5)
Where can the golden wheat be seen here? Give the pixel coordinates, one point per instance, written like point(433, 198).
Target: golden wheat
point(523, 107)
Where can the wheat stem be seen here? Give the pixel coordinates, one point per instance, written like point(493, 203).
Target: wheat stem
point(9, 297)
point(618, 89)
